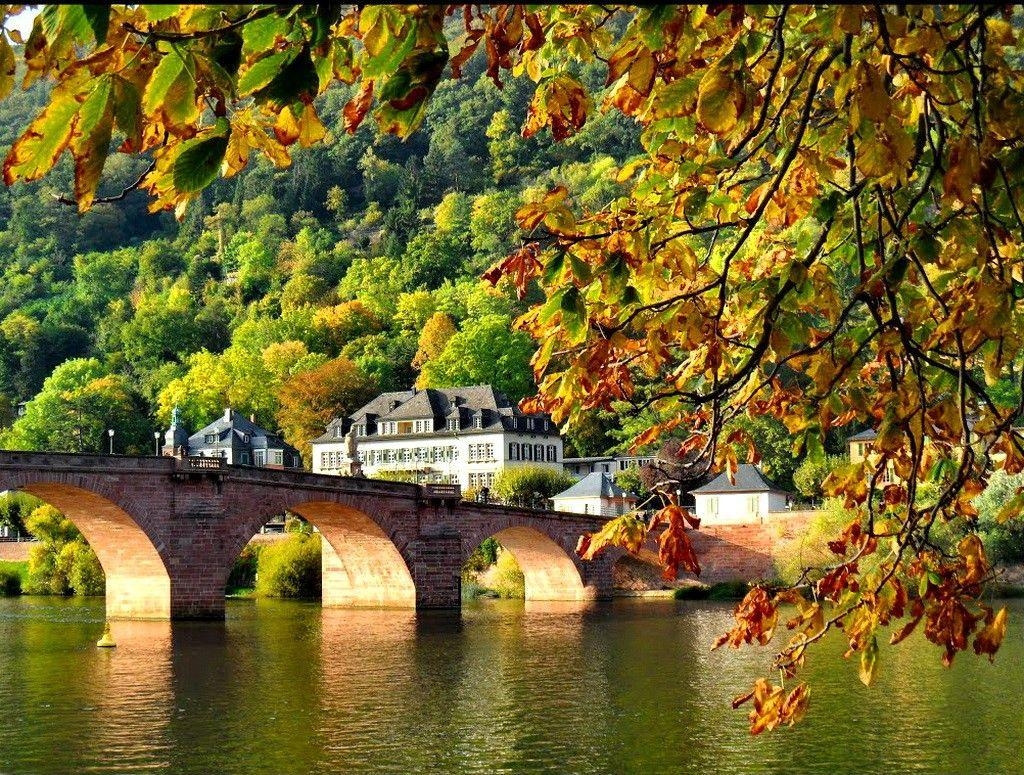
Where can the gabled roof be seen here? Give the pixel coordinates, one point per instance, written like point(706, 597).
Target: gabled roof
point(865, 435)
point(234, 430)
point(424, 404)
point(595, 485)
point(748, 479)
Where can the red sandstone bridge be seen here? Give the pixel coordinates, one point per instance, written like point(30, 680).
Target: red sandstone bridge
point(168, 531)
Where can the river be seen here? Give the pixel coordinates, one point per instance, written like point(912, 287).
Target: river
point(628, 687)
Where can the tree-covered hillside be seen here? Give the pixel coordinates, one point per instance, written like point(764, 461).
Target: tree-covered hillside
point(292, 294)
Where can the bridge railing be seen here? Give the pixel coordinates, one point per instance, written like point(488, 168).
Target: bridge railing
point(201, 464)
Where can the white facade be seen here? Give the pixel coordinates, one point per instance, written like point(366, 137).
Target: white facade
point(608, 464)
point(739, 508)
point(459, 436)
point(605, 507)
point(469, 459)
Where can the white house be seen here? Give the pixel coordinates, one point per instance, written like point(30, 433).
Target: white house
point(748, 500)
point(595, 493)
point(233, 438)
point(454, 435)
point(609, 464)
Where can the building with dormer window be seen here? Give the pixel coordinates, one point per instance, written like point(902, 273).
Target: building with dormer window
point(233, 438)
point(453, 435)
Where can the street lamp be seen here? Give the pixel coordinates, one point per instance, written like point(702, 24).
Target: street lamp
point(110, 433)
point(156, 442)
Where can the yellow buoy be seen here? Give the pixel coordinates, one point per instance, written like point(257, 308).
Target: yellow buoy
point(107, 640)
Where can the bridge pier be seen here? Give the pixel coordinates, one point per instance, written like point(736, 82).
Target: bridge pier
point(437, 568)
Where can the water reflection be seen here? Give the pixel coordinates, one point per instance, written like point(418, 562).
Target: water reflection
point(499, 688)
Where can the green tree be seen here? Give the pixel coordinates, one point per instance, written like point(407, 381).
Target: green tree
point(485, 351)
point(78, 403)
point(530, 486)
point(62, 563)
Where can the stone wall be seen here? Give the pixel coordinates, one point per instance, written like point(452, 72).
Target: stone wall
point(14, 551)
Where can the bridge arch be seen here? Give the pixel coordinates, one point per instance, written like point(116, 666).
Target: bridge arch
point(550, 572)
point(138, 585)
point(362, 557)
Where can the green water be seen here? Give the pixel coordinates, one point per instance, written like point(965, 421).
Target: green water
point(623, 688)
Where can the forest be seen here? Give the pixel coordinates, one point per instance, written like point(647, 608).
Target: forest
point(290, 294)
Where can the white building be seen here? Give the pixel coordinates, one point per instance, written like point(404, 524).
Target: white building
point(456, 436)
point(748, 500)
point(595, 493)
point(609, 464)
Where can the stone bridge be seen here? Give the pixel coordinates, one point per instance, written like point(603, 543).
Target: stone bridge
point(167, 532)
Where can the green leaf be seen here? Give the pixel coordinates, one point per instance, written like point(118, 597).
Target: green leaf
point(158, 13)
point(869, 662)
point(98, 17)
point(574, 314)
point(37, 150)
point(171, 90)
point(91, 142)
point(199, 164)
point(263, 71)
point(261, 35)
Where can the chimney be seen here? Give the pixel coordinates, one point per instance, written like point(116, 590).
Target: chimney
point(227, 415)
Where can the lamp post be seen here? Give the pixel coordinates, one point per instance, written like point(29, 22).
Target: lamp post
point(156, 442)
point(110, 433)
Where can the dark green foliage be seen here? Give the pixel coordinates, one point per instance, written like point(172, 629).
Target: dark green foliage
point(243, 572)
point(11, 574)
point(726, 590)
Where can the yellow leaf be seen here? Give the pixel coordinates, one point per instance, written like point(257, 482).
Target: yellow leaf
point(869, 662)
point(720, 101)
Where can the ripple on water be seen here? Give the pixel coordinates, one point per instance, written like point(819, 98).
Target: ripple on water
point(627, 688)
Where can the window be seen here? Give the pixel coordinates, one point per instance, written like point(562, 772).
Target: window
point(552, 454)
point(453, 423)
point(296, 462)
point(529, 424)
point(245, 438)
point(712, 506)
point(404, 427)
point(538, 452)
point(211, 438)
point(752, 504)
point(478, 421)
point(261, 457)
point(244, 458)
point(513, 451)
point(527, 452)
point(278, 457)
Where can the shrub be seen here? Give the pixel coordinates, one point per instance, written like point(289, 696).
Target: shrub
point(1004, 542)
point(243, 572)
point(84, 572)
point(290, 568)
point(62, 563)
point(810, 547)
point(10, 582)
point(530, 486)
point(692, 592)
point(483, 557)
point(810, 474)
point(508, 576)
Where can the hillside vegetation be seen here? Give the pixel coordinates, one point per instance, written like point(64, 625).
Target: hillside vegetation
point(292, 295)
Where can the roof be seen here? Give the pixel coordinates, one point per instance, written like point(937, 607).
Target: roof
point(481, 401)
point(231, 429)
point(865, 435)
point(595, 485)
point(748, 479)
